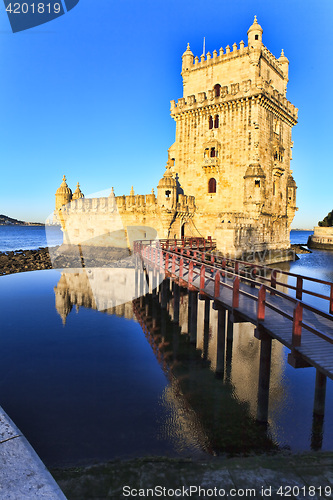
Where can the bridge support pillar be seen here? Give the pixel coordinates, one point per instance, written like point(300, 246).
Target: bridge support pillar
point(318, 411)
point(264, 378)
point(164, 293)
point(176, 299)
point(193, 313)
point(230, 337)
point(136, 284)
point(206, 329)
point(221, 317)
point(320, 393)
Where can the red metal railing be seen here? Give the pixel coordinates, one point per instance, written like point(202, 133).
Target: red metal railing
point(264, 273)
point(174, 260)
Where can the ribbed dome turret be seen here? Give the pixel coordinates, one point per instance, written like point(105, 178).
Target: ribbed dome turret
point(77, 193)
point(291, 181)
point(187, 59)
point(167, 180)
point(254, 171)
point(63, 194)
point(255, 26)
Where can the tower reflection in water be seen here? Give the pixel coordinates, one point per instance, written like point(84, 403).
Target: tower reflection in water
point(214, 396)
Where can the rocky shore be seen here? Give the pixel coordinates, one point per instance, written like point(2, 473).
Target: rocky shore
point(63, 257)
point(74, 257)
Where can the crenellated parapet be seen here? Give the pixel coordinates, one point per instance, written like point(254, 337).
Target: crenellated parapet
point(229, 94)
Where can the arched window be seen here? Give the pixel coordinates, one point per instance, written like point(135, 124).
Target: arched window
point(216, 121)
point(217, 90)
point(210, 122)
point(212, 185)
point(212, 153)
point(206, 153)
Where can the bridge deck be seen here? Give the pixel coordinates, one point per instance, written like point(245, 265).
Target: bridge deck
point(316, 339)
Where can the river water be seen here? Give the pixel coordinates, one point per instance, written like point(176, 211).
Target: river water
point(86, 382)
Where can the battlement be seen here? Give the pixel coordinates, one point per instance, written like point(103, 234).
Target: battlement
point(110, 204)
point(217, 58)
point(232, 92)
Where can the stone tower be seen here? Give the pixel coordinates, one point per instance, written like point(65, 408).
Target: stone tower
point(233, 145)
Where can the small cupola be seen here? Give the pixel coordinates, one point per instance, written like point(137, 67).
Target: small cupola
point(77, 193)
point(187, 59)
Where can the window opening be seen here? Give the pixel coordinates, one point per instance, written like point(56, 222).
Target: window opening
point(217, 90)
point(210, 122)
point(216, 121)
point(257, 183)
point(212, 185)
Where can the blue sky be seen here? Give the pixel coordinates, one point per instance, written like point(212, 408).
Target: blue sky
point(88, 94)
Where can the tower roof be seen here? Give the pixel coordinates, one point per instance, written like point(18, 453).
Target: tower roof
point(64, 189)
point(77, 193)
point(255, 26)
point(167, 180)
point(283, 58)
point(188, 51)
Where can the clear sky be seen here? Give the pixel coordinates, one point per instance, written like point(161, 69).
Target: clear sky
point(88, 94)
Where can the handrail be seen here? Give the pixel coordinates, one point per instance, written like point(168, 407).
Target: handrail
point(252, 267)
point(160, 257)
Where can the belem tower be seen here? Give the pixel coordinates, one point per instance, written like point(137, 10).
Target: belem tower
point(228, 172)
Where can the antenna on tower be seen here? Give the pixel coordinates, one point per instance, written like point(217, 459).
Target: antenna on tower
point(204, 46)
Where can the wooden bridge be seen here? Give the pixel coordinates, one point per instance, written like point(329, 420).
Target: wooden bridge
point(250, 293)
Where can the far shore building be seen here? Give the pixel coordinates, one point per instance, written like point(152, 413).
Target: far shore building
point(228, 172)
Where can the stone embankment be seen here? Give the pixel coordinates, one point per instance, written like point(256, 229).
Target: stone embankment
point(63, 257)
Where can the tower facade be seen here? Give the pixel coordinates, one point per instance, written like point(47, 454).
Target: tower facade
point(233, 145)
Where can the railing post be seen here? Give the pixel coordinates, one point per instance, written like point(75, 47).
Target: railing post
point(181, 267)
point(202, 278)
point(173, 268)
point(235, 293)
point(299, 288)
point(167, 261)
point(297, 325)
point(195, 255)
point(261, 303)
point(203, 257)
point(273, 281)
point(236, 267)
point(253, 275)
point(191, 243)
point(223, 267)
point(190, 272)
point(331, 299)
point(217, 285)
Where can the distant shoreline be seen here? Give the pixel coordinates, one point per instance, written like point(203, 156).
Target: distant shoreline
point(24, 224)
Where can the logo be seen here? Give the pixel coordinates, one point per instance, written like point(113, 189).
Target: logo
point(25, 15)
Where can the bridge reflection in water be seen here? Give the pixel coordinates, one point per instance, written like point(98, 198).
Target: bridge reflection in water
point(213, 369)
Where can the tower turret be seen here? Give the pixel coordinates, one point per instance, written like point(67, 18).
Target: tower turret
point(167, 190)
point(77, 193)
point(254, 37)
point(63, 194)
point(285, 68)
point(187, 59)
